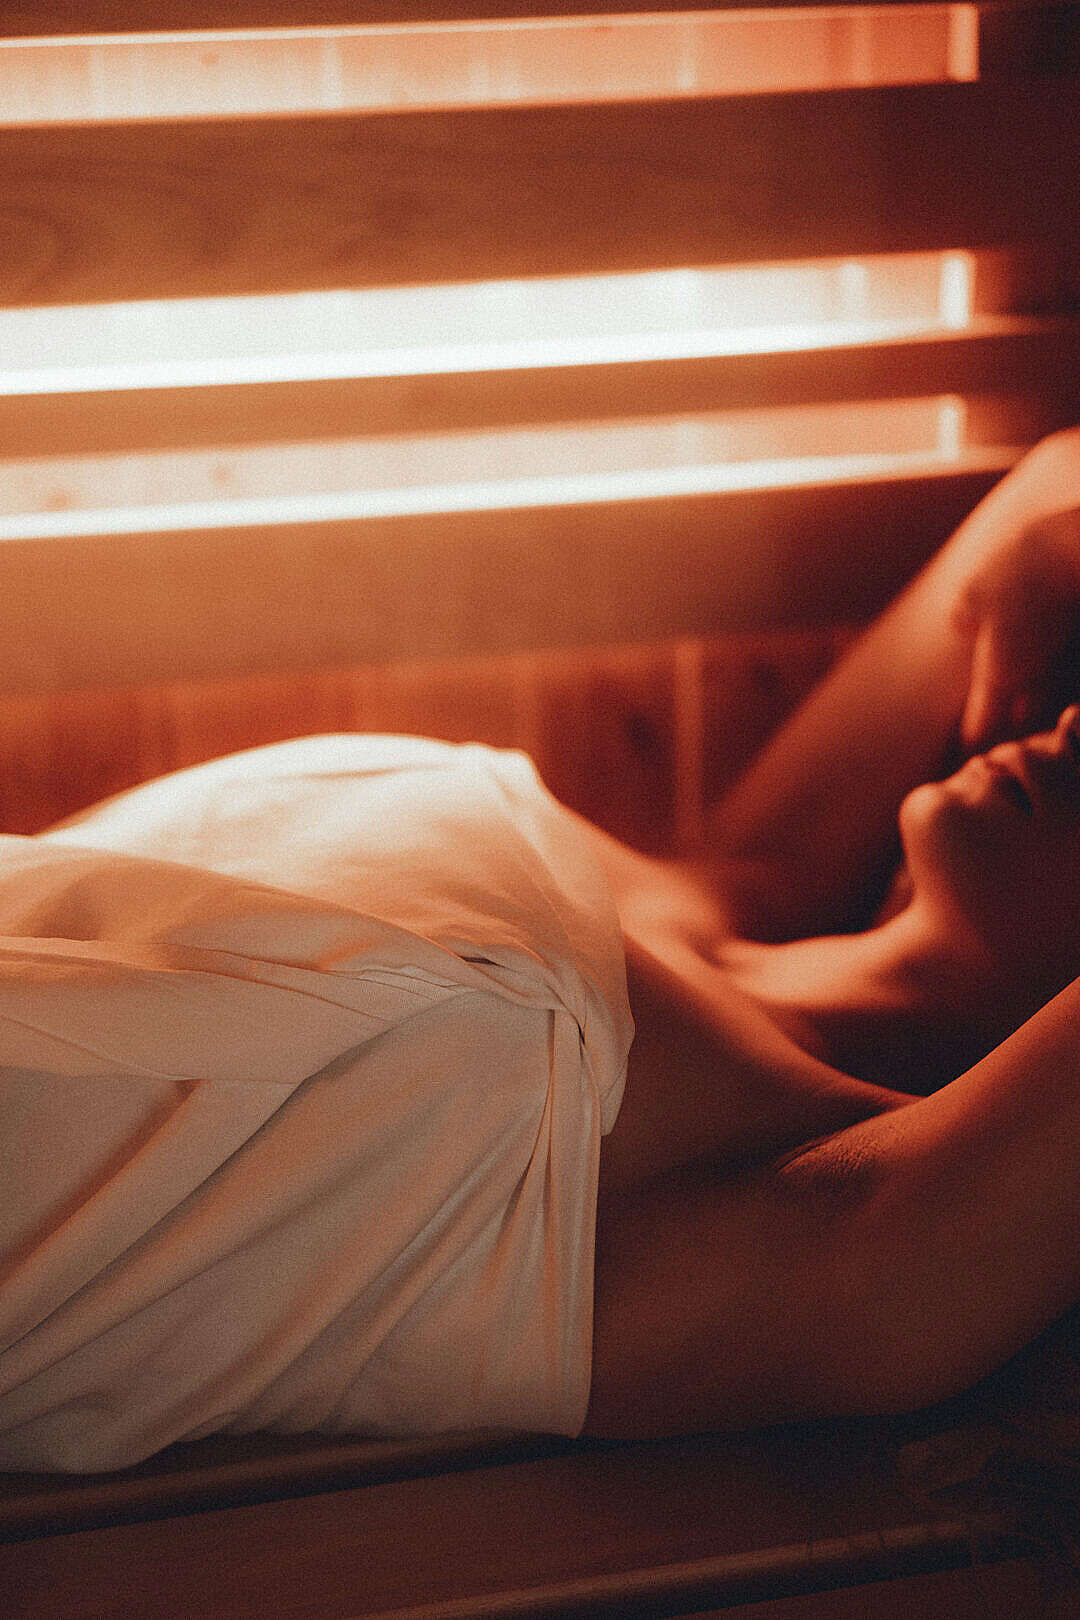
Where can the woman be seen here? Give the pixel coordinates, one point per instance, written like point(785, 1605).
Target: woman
point(310, 1053)
point(801, 1241)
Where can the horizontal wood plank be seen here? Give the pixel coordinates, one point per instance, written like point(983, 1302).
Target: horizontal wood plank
point(39, 18)
point(1004, 1590)
point(148, 210)
point(227, 1470)
point(107, 609)
point(1036, 357)
point(628, 1531)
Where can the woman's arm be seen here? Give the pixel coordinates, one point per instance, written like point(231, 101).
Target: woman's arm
point(799, 841)
point(882, 1268)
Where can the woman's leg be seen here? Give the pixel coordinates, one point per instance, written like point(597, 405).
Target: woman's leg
point(883, 1268)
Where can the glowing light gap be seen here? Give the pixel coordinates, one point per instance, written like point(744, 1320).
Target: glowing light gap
point(451, 360)
point(585, 489)
point(579, 21)
point(496, 326)
point(545, 60)
point(404, 460)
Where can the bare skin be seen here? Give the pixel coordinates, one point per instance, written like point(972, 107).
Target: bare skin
point(985, 936)
point(850, 1182)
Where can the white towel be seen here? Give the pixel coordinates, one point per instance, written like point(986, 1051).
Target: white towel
point(305, 1056)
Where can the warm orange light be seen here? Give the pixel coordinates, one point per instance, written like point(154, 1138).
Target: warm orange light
point(547, 59)
point(453, 472)
point(507, 324)
point(483, 326)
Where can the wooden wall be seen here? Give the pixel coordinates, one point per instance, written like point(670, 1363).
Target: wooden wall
point(638, 641)
point(630, 736)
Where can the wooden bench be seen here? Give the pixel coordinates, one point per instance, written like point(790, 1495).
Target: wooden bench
point(526, 1527)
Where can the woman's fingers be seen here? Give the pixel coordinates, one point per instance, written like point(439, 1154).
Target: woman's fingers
point(1004, 691)
point(987, 694)
point(1021, 613)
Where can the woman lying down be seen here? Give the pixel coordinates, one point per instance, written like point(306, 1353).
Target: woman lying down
point(316, 1097)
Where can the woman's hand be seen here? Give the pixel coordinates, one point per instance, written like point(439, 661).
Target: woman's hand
point(1021, 607)
point(805, 841)
point(1022, 612)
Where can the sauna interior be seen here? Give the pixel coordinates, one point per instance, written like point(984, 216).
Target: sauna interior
point(571, 379)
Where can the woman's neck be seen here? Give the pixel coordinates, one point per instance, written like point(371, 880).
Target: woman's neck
point(891, 1005)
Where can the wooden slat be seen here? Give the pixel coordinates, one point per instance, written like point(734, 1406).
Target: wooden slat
point(107, 609)
point(850, 1561)
point(1000, 1591)
point(623, 1532)
point(223, 207)
point(222, 1473)
point(384, 475)
point(39, 18)
point(1029, 279)
point(1016, 356)
point(226, 1470)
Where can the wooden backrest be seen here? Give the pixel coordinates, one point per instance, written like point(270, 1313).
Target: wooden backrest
point(361, 567)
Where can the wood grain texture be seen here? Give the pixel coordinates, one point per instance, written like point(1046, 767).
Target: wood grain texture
point(149, 210)
point(61, 753)
point(715, 1519)
point(140, 608)
point(29, 18)
point(750, 684)
point(1036, 357)
point(606, 740)
point(605, 726)
point(1004, 1590)
point(227, 1470)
